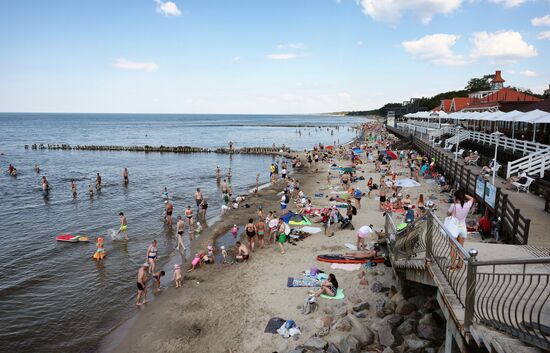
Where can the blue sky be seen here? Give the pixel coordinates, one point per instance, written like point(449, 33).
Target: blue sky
point(262, 56)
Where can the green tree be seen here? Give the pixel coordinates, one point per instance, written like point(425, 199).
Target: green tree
point(479, 84)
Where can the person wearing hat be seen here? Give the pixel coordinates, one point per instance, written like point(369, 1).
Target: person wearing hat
point(142, 284)
point(176, 277)
point(357, 194)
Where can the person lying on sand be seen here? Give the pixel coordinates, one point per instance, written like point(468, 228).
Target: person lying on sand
point(362, 254)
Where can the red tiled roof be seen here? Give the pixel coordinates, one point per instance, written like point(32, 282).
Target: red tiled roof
point(503, 95)
point(446, 105)
point(460, 103)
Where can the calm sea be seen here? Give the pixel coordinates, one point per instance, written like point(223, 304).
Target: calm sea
point(53, 297)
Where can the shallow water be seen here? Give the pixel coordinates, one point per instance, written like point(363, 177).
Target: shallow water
point(52, 295)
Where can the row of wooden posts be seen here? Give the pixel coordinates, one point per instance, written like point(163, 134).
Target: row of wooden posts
point(162, 149)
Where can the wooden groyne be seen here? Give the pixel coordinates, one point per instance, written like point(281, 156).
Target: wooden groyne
point(161, 149)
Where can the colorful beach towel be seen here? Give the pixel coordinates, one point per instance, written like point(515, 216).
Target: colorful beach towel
point(339, 295)
point(345, 267)
point(302, 282)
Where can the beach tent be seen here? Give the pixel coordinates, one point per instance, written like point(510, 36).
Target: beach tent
point(295, 219)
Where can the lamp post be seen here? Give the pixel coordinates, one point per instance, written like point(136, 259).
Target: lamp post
point(458, 128)
point(497, 135)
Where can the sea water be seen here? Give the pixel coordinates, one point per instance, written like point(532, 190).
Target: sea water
point(53, 296)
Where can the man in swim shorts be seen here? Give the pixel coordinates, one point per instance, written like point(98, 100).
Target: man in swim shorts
point(123, 225)
point(180, 227)
point(198, 197)
point(141, 285)
point(169, 208)
point(125, 175)
point(98, 181)
point(242, 252)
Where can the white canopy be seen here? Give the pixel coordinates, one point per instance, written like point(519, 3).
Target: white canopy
point(534, 116)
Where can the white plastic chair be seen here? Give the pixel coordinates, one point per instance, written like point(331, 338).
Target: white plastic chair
point(459, 153)
point(523, 187)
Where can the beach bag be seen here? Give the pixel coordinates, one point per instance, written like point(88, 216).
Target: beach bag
point(451, 224)
point(353, 210)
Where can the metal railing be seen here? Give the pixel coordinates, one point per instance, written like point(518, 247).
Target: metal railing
point(512, 296)
point(504, 142)
point(509, 295)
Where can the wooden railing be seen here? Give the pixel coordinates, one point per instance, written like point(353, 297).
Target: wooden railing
point(515, 227)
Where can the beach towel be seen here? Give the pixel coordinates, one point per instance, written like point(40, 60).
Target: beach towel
point(302, 282)
point(351, 246)
point(345, 267)
point(339, 295)
point(311, 230)
point(407, 183)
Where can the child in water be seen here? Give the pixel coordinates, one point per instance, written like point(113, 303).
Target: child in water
point(211, 251)
point(198, 229)
point(177, 275)
point(224, 254)
point(156, 277)
point(99, 250)
point(234, 230)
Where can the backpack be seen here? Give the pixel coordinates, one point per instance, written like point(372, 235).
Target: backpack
point(353, 210)
point(287, 199)
point(358, 194)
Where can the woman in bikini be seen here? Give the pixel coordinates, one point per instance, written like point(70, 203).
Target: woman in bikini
point(189, 215)
point(250, 230)
point(260, 228)
point(152, 255)
point(329, 287)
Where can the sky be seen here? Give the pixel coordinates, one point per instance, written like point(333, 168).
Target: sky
point(261, 56)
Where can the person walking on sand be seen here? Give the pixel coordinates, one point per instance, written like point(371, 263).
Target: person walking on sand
point(123, 226)
point(281, 236)
point(250, 230)
point(141, 297)
point(73, 188)
point(198, 197)
point(168, 210)
point(260, 228)
point(125, 175)
point(177, 275)
point(357, 194)
point(152, 255)
point(180, 228)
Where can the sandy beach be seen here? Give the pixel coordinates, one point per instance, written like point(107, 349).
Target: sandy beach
point(225, 308)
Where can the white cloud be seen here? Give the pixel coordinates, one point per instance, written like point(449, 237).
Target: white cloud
point(541, 21)
point(292, 46)
point(505, 46)
point(508, 3)
point(360, 43)
point(544, 35)
point(167, 8)
point(391, 10)
point(436, 48)
point(286, 56)
point(236, 58)
point(124, 64)
point(528, 73)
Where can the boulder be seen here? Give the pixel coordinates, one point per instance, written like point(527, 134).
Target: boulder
point(428, 319)
point(374, 348)
point(404, 308)
point(361, 314)
point(342, 324)
point(397, 297)
point(430, 350)
point(315, 343)
point(431, 333)
point(361, 306)
point(431, 304)
point(407, 327)
point(332, 348)
point(392, 291)
point(394, 320)
point(385, 335)
point(376, 287)
point(384, 308)
point(417, 300)
point(363, 282)
point(296, 350)
point(388, 350)
point(340, 312)
point(363, 334)
point(417, 343)
point(324, 321)
point(349, 344)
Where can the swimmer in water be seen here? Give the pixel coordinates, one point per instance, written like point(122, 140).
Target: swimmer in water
point(36, 168)
point(125, 175)
point(152, 256)
point(218, 173)
point(123, 225)
point(73, 188)
point(165, 193)
point(45, 186)
point(98, 181)
point(169, 208)
point(90, 190)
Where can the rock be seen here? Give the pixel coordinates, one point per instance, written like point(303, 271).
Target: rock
point(324, 321)
point(404, 308)
point(384, 308)
point(417, 343)
point(441, 348)
point(391, 306)
point(376, 287)
point(340, 312)
point(429, 350)
point(402, 348)
point(363, 334)
point(417, 300)
point(380, 303)
point(388, 350)
point(431, 304)
point(323, 331)
point(430, 333)
point(439, 317)
point(362, 306)
point(349, 344)
point(342, 324)
point(392, 291)
point(362, 314)
point(415, 315)
point(394, 320)
point(374, 348)
point(397, 297)
point(314, 343)
point(428, 319)
point(332, 348)
point(296, 350)
point(407, 327)
point(363, 282)
point(385, 335)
